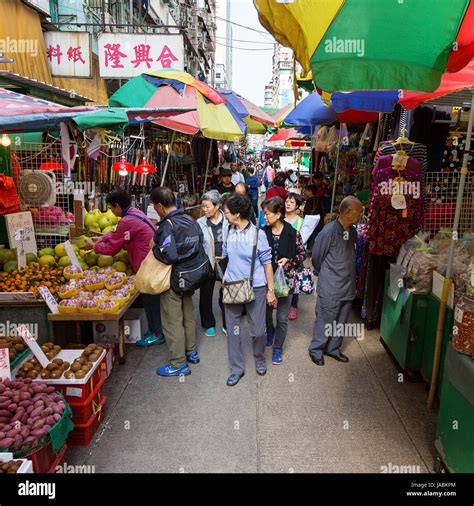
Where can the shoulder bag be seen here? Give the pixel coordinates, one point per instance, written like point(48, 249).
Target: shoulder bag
point(241, 292)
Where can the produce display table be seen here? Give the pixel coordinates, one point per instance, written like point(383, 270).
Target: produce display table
point(119, 317)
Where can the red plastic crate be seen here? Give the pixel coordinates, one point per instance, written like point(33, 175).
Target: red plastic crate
point(45, 460)
point(107, 363)
point(82, 411)
point(83, 433)
point(84, 390)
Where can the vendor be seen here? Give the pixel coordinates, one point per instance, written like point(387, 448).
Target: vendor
point(225, 185)
point(134, 233)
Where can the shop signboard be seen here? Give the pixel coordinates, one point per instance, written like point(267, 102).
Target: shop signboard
point(69, 54)
point(126, 57)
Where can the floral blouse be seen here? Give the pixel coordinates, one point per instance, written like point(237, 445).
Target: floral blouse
point(295, 265)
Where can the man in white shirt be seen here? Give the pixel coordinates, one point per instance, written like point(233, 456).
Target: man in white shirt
point(237, 177)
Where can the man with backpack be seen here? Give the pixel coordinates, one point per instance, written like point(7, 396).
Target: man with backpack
point(179, 242)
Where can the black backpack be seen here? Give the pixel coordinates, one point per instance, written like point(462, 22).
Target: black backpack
point(188, 275)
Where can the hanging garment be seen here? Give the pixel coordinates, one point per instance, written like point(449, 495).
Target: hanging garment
point(387, 227)
point(9, 200)
point(416, 150)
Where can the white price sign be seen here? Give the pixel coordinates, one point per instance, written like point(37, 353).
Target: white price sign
point(4, 364)
point(30, 341)
point(72, 255)
point(458, 314)
point(20, 239)
point(49, 299)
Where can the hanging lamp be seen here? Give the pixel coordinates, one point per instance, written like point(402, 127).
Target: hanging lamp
point(51, 166)
point(123, 167)
point(145, 168)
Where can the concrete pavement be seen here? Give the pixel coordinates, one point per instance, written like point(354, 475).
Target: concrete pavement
point(356, 417)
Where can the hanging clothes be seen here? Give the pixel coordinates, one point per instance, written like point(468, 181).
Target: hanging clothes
point(416, 150)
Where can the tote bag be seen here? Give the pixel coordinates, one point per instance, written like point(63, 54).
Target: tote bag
point(153, 277)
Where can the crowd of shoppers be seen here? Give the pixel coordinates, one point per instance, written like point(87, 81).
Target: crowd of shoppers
point(245, 261)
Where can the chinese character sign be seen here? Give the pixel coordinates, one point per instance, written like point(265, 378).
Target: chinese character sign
point(127, 56)
point(68, 53)
point(21, 221)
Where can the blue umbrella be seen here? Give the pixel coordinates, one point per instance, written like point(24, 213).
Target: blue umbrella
point(372, 100)
point(311, 111)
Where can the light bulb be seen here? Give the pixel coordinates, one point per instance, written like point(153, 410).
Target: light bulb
point(5, 140)
point(123, 172)
point(226, 147)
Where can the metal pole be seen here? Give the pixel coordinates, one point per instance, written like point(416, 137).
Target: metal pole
point(448, 282)
point(335, 174)
point(207, 166)
point(168, 159)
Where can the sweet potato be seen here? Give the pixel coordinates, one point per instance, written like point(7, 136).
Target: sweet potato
point(56, 417)
point(38, 424)
point(18, 415)
point(39, 403)
point(50, 420)
point(7, 427)
point(30, 439)
point(24, 419)
point(46, 412)
point(40, 432)
point(25, 431)
point(2, 435)
point(7, 442)
point(5, 412)
point(2, 387)
point(38, 389)
point(11, 433)
point(25, 396)
point(4, 419)
point(12, 408)
point(37, 411)
point(5, 404)
point(4, 398)
point(25, 403)
point(18, 440)
point(50, 390)
point(30, 408)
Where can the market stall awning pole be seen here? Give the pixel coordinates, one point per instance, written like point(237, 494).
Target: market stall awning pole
point(448, 282)
point(168, 158)
point(207, 166)
point(335, 174)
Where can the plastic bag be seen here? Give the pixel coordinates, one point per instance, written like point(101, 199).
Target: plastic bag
point(470, 280)
point(397, 273)
point(281, 286)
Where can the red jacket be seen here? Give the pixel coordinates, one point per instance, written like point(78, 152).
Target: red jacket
point(276, 191)
point(134, 233)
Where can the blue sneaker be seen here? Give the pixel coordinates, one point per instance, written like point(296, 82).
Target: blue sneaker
point(261, 368)
point(211, 332)
point(193, 358)
point(169, 370)
point(150, 339)
point(276, 358)
point(270, 338)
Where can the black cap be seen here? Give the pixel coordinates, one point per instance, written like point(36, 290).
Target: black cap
point(225, 172)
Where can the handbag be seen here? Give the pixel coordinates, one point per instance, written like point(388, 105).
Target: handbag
point(219, 266)
point(241, 292)
point(153, 277)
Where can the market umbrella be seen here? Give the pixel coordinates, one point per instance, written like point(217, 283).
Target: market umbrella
point(171, 88)
point(284, 134)
point(254, 117)
point(363, 44)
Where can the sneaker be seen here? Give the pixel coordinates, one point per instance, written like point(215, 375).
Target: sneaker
point(270, 338)
point(193, 358)
point(293, 313)
point(169, 370)
point(224, 331)
point(261, 368)
point(276, 358)
point(233, 379)
point(150, 339)
point(210, 332)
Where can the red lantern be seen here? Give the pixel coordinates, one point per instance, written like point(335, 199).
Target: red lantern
point(123, 167)
point(145, 168)
point(51, 166)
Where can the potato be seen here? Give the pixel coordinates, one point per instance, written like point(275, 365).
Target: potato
point(80, 374)
point(86, 368)
point(34, 361)
point(66, 365)
point(52, 366)
point(49, 345)
point(69, 375)
point(19, 347)
point(56, 374)
point(75, 367)
point(28, 367)
point(21, 374)
point(50, 355)
point(93, 357)
point(45, 374)
point(45, 348)
point(32, 374)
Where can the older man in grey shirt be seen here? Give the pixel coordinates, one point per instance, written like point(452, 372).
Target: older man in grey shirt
point(334, 261)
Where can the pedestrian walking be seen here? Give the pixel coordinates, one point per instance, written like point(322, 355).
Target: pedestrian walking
point(214, 227)
point(278, 188)
point(288, 253)
point(254, 186)
point(313, 206)
point(237, 176)
point(134, 233)
point(225, 184)
point(268, 175)
point(334, 261)
point(177, 239)
point(243, 189)
point(293, 202)
point(249, 269)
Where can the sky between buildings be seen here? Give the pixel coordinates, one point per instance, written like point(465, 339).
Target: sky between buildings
point(252, 70)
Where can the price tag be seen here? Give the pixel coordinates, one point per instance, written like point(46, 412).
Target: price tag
point(49, 299)
point(399, 202)
point(458, 314)
point(20, 239)
point(30, 341)
point(5, 372)
point(72, 255)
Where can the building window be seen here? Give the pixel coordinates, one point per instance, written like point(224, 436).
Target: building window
point(218, 75)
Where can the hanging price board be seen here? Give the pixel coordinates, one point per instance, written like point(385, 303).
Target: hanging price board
point(30, 341)
point(72, 255)
point(49, 299)
point(5, 372)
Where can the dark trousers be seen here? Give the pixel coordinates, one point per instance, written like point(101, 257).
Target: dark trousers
point(151, 304)
point(205, 304)
point(295, 299)
point(281, 328)
point(254, 200)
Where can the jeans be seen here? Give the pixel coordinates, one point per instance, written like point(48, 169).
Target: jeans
point(295, 299)
point(151, 304)
point(254, 200)
point(205, 304)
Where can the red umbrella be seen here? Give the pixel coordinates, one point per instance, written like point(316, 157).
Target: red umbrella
point(284, 134)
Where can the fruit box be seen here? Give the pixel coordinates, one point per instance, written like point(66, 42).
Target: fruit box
point(82, 411)
point(26, 465)
point(83, 433)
